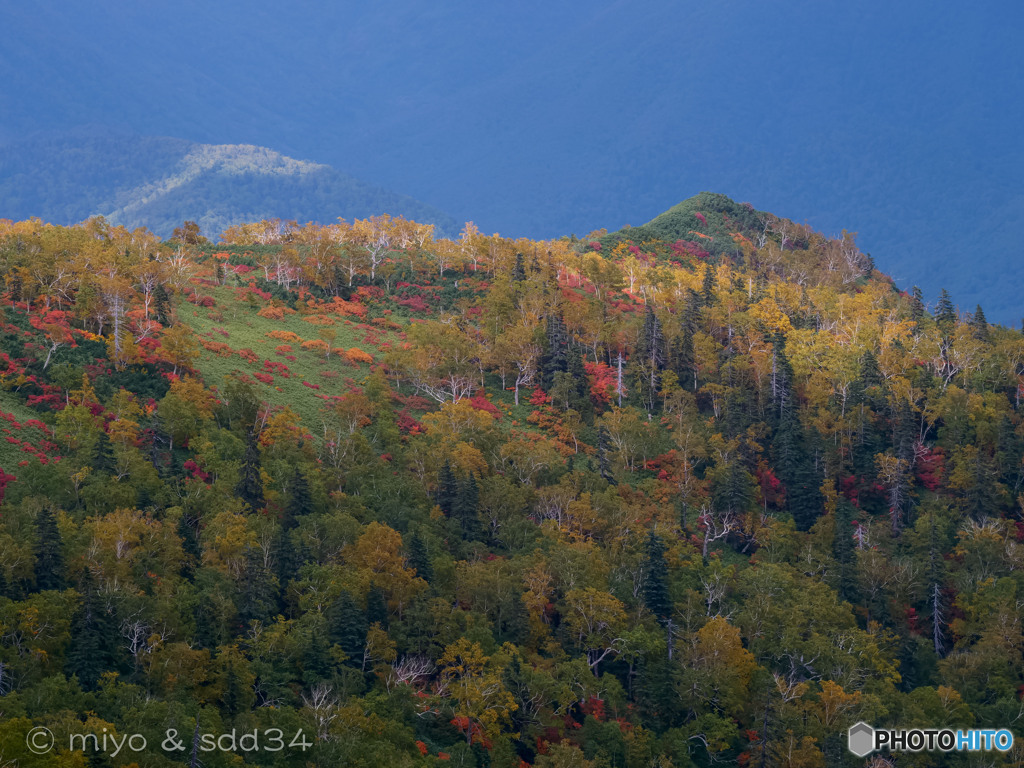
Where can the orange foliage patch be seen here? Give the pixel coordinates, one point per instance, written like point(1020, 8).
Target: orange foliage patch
point(275, 313)
point(357, 356)
point(319, 320)
point(219, 348)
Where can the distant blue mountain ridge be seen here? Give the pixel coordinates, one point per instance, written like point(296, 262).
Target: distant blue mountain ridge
point(159, 182)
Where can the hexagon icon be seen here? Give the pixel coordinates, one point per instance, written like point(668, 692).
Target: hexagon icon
point(861, 739)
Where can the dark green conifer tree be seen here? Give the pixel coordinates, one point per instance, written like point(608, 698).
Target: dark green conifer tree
point(647, 363)
point(447, 489)
point(419, 558)
point(945, 313)
point(603, 463)
point(347, 627)
point(250, 483)
point(316, 658)
point(656, 593)
point(94, 636)
point(795, 463)
point(866, 397)
point(286, 565)
point(707, 291)
point(188, 533)
point(376, 607)
point(916, 305)
point(162, 305)
point(103, 455)
point(514, 621)
point(259, 596)
point(979, 324)
point(300, 501)
point(466, 508)
point(681, 359)
point(234, 695)
point(579, 392)
point(519, 270)
point(49, 565)
point(657, 695)
point(843, 550)
point(554, 358)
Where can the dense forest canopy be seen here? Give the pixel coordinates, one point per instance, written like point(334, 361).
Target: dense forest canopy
point(707, 491)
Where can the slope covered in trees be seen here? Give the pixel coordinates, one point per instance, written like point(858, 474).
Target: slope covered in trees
point(706, 495)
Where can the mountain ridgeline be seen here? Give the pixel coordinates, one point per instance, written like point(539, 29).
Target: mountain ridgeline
point(159, 182)
point(706, 491)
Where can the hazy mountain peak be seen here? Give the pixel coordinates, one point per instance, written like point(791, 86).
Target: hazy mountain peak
point(158, 182)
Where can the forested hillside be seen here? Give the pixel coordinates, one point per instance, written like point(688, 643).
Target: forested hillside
point(703, 492)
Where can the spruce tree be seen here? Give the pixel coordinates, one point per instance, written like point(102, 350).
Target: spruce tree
point(376, 607)
point(916, 305)
point(300, 501)
point(466, 507)
point(250, 483)
point(656, 594)
point(648, 362)
point(796, 464)
point(555, 356)
point(234, 695)
point(707, 291)
point(603, 463)
point(447, 489)
point(945, 313)
point(681, 359)
point(259, 597)
point(979, 324)
point(188, 533)
point(519, 270)
point(49, 565)
point(579, 392)
point(162, 305)
point(287, 564)
point(657, 695)
point(843, 550)
point(514, 623)
point(316, 659)
point(94, 636)
point(103, 455)
point(347, 627)
point(419, 558)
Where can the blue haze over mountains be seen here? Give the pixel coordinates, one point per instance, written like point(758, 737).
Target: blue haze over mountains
point(900, 121)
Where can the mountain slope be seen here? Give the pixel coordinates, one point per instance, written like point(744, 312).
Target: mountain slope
point(891, 120)
point(158, 182)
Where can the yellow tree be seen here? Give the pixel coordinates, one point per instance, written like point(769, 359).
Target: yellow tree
point(378, 560)
point(472, 682)
point(719, 668)
point(441, 360)
point(178, 345)
point(596, 620)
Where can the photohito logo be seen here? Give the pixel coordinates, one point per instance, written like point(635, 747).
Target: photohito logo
point(862, 739)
